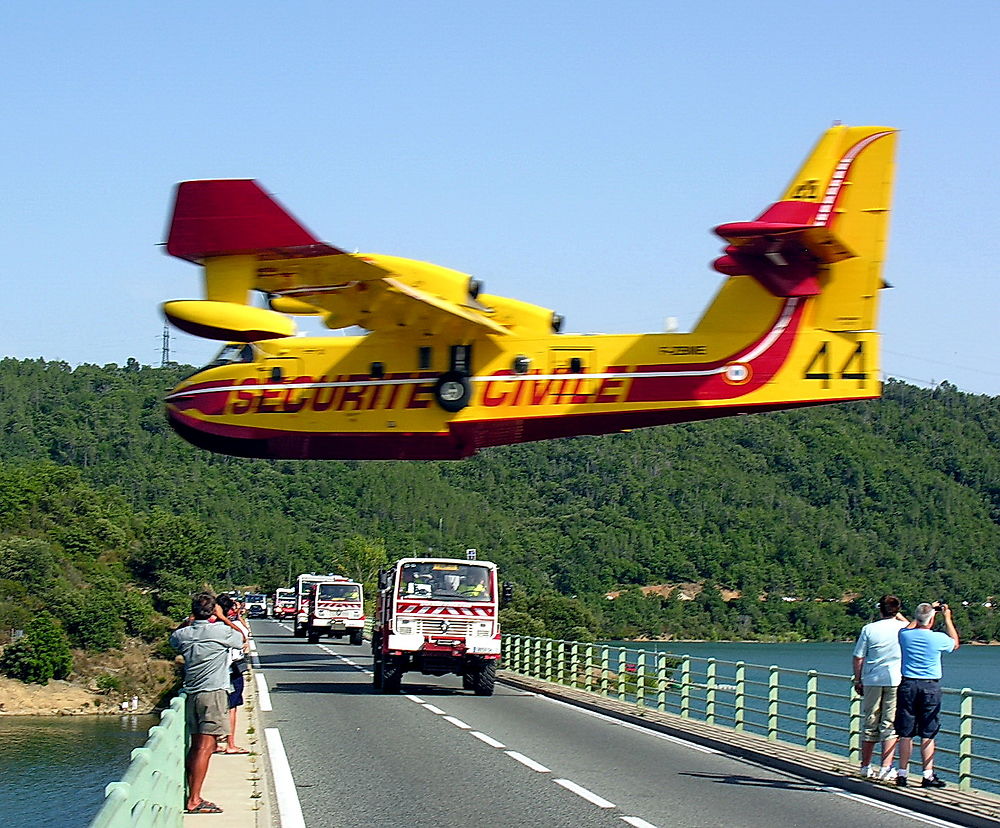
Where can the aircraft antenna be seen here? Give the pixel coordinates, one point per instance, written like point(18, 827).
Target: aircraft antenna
point(165, 350)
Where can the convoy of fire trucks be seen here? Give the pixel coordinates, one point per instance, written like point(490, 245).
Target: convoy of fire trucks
point(434, 616)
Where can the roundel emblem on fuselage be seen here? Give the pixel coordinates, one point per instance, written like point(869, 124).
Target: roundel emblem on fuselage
point(737, 373)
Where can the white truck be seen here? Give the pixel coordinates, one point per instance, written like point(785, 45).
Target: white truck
point(336, 608)
point(438, 616)
point(304, 585)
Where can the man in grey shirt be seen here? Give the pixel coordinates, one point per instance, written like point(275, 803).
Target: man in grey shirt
point(205, 640)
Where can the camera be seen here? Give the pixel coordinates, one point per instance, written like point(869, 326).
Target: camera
point(938, 605)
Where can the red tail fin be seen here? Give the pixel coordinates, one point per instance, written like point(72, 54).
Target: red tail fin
point(231, 217)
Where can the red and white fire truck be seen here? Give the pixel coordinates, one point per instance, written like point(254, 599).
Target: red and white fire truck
point(437, 616)
point(284, 603)
point(337, 608)
point(303, 592)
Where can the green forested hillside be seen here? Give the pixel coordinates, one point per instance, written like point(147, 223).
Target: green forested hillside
point(898, 495)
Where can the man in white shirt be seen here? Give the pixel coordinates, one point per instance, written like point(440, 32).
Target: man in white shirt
point(877, 673)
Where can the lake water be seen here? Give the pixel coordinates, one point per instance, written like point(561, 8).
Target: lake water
point(53, 769)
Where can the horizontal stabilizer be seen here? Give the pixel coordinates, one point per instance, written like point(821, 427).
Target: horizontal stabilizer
point(227, 321)
point(226, 217)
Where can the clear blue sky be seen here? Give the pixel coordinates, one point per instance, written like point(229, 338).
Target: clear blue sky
point(571, 154)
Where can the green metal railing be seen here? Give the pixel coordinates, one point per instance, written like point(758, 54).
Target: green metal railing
point(817, 711)
point(151, 793)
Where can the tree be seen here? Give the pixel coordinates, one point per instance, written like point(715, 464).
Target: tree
point(361, 559)
point(41, 654)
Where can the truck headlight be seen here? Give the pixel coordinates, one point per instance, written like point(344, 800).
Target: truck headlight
point(406, 627)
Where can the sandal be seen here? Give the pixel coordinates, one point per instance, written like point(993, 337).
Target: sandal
point(204, 807)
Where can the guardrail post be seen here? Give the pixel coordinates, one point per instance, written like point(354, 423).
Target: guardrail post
point(855, 726)
point(622, 675)
point(548, 659)
point(640, 677)
point(686, 685)
point(772, 702)
point(812, 696)
point(589, 676)
point(965, 741)
point(561, 655)
point(537, 666)
point(661, 682)
point(710, 691)
point(740, 701)
point(605, 668)
point(574, 658)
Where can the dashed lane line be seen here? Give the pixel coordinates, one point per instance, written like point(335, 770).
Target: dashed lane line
point(262, 693)
point(581, 791)
point(489, 740)
point(527, 761)
point(289, 809)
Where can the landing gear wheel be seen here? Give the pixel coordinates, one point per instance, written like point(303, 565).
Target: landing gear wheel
point(356, 638)
point(484, 679)
point(452, 391)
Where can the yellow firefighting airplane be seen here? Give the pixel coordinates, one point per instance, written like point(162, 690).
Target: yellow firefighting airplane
point(446, 369)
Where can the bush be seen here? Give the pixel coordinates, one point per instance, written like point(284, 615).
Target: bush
point(41, 654)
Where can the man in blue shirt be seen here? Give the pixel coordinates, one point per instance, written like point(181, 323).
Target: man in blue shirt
point(918, 701)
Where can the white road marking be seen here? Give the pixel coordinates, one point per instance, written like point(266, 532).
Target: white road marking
point(637, 822)
point(580, 791)
point(528, 763)
point(289, 809)
point(489, 740)
point(416, 699)
point(894, 809)
point(433, 709)
point(262, 693)
point(458, 722)
point(253, 646)
point(255, 661)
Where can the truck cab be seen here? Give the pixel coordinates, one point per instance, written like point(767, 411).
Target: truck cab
point(336, 607)
point(437, 616)
point(283, 605)
point(256, 605)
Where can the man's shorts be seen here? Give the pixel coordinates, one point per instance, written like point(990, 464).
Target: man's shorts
point(918, 708)
point(236, 696)
point(207, 712)
point(878, 708)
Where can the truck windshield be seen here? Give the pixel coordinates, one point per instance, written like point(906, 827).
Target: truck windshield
point(339, 592)
point(445, 582)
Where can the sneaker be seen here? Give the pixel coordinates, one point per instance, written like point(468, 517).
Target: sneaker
point(932, 782)
point(886, 775)
point(867, 772)
point(901, 781)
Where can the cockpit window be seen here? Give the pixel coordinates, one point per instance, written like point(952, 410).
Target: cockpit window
point(231, 353)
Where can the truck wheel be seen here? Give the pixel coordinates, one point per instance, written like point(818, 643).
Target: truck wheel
point(467, 683)
point(356, 638)
point(377, 675)
point(313, 637)
point(299, 631)
point(484, 679)
point(392, 677)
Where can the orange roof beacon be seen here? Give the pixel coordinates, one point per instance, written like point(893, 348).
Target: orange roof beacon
point(445, 369)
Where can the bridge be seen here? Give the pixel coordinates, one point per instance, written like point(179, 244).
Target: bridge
point(331, 752)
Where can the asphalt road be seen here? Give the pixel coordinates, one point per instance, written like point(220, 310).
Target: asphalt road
point(437, 755)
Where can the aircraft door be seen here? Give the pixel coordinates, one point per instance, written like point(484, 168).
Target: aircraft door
point(276, 370)
point(576, 363)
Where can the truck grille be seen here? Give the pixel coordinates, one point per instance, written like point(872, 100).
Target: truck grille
point(444, 626)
